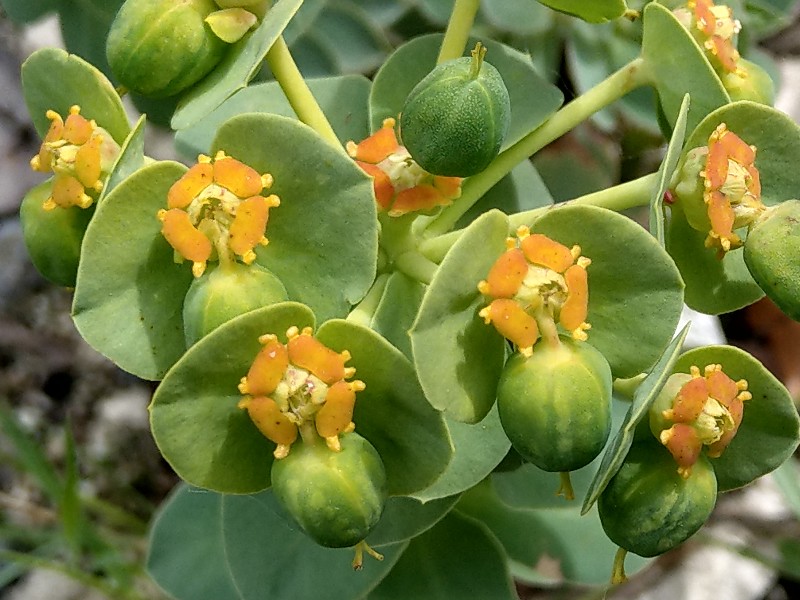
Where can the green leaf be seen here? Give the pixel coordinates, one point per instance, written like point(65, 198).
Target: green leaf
point(533, 99)
point(303, 20)
point(522, 17)
point(324, 236)
point(209, 546)
point(70, 511)
point(458, 558)
point(713, 286)
point(55, 80)
point(238, 67)
point(84, 28)
point(129, 292)
point(479, 448)
point(342, 99)
point(770, 428)
point(787, 476)
point(684, 69)
point(392, 412)
point(186, 554)
point(270, 558)
point(457, 357)
point(665, 171)
point(405, 518)
point(594, 11)
point(130, 159)
point(397, 310)
point(643, 398)
point(26, 11)
point(208, 440)
point(547, 545)
point(635, 290)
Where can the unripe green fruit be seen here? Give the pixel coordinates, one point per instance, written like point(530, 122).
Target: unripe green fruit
point(555, 406)
point(648, 508)
point(454, 121)
point(225, 292)
point(756, 85)
point(159, 48)
point(336, 497)
point(53, 237)
point(770, 253)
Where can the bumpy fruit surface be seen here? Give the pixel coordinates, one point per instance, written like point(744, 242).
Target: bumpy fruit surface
point(336, 497)
point(648, 508)
point(159, 48)
point(225, 292)
point(555, 406)
point(770, 253)
point(53, 237)
point(454, 121)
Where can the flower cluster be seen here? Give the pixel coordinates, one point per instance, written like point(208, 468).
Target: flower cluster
point(217, 207)
point(79, 154)
point(401, 185)
point(731, 188)
point(535, 282)
point(292, 385)
point(706, 411)
point(714, 27)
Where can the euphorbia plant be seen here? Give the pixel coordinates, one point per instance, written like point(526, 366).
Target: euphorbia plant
point(307, 245)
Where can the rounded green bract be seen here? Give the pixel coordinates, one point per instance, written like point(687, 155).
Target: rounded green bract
point(555, 406)
point(159, 48)
point(53, 237)
point(648, 508)
point(454, 121)
point(770, 253)
point(336, 497)
point(751, 82)
point(225, 292)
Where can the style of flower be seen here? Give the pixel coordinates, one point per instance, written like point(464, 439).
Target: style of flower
point(217, 207)
point(707, 411)
point(714, 27)
point(299, 387)
point(534, 283)
point(79, 154)
point(401, 186)
point(731, 189)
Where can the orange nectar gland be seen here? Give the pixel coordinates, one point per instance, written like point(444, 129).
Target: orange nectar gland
point(732, 188)
point(217, 206)
point(78, 153)
point(707, 411)
point(289, 386)
point(400, 184)
point(534, 280)
point(716, 29)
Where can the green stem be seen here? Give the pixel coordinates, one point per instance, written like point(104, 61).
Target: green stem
point(618, 198)
point(618, 570)
point(364, 311)
point(416, 266)
point(565, 486)
point(458, 28)
point(618, 84)
point(298, 94)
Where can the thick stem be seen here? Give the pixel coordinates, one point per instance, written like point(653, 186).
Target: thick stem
point(298, 94)
point(619, 197)
point(416, 266)
point(457, 33)
point(618, 84)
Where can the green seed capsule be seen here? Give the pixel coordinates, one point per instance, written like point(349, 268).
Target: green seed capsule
point(53, 237)
point(648, 508)
point(225, 292)
point(159, 48)
point(770, 253)
point(750, 82)
point(336, 497)
point(454, 121)
point(555, 406)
